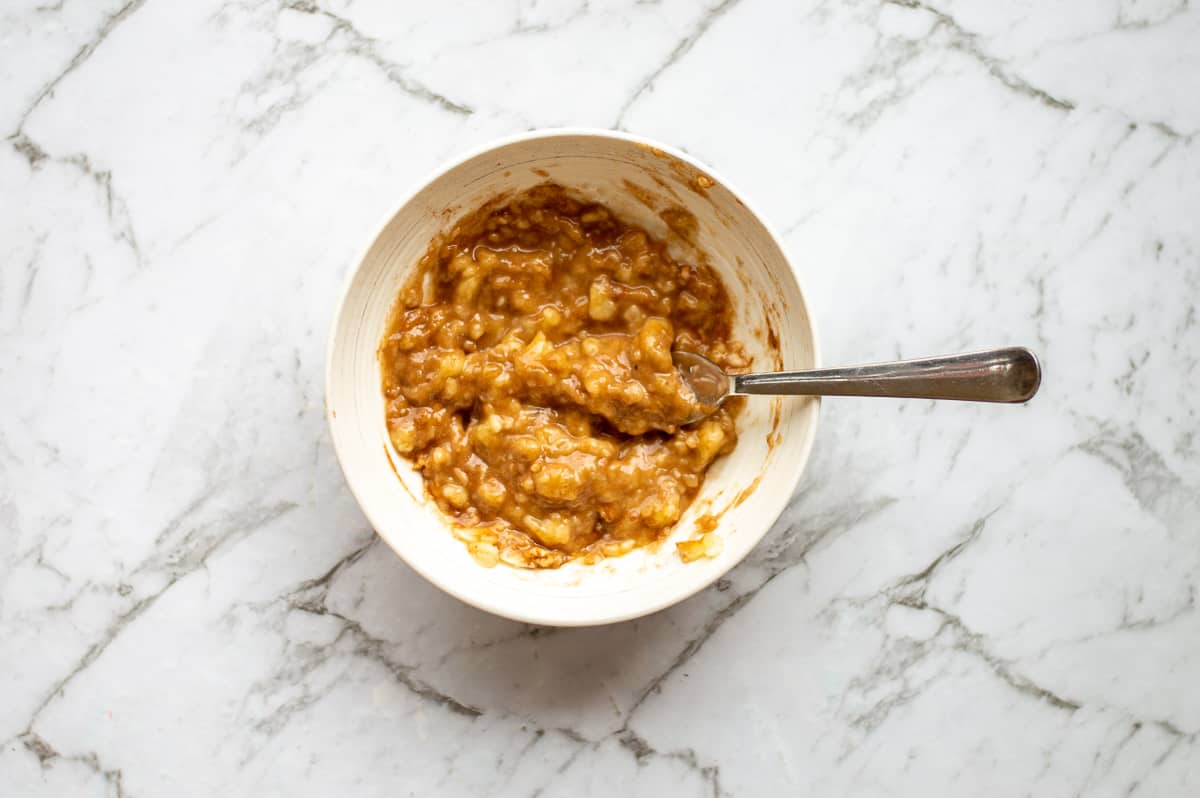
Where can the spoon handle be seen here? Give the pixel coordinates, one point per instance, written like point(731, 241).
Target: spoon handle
point(1011, 374)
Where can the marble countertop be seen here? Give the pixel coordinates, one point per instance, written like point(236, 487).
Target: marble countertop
point(959, 600)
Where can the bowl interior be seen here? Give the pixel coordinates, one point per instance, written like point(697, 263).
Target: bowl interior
point(647, 186)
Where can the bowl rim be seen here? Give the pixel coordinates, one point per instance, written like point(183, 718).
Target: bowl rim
point(799, 456)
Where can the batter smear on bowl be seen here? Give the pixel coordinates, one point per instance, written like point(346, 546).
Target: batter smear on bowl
point(527, 374)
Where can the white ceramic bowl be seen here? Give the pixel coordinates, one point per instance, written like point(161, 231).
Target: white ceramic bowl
point(750, 487)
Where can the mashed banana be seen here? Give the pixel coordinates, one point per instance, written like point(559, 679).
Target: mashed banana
point(527, 374)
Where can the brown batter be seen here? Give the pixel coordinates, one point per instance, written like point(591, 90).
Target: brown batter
point(527, 373)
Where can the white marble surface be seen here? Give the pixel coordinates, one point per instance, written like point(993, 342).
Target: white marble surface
point(960, 600)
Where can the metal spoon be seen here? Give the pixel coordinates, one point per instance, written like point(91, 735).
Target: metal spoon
point(1011, 374)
